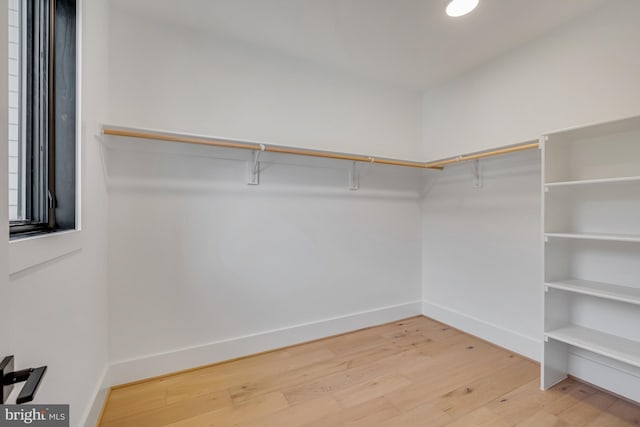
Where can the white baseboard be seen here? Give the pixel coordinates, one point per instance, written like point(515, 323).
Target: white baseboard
point(163, 363)
point(511, 340)
point(91, 414)
point(608, 374)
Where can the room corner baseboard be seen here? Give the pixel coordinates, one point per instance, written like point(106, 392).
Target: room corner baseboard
point(154, 365)
point(495, 334)
point(98, 397)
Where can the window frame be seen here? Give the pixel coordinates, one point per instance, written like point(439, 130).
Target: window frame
point(50, 139)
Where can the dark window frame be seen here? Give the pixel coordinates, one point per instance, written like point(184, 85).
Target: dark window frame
point(50, 137)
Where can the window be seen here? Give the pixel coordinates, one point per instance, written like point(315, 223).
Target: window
point(42, 116)
point(15, 98)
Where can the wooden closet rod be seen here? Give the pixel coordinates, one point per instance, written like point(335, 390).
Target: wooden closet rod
point(437, 165)
point(262, 147)
point(467, 157)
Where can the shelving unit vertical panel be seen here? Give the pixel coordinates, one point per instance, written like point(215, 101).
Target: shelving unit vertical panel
point(555, 259)
point(552, 370)
point(555, 363)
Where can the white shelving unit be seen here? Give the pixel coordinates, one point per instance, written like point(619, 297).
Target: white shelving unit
point(591, 221)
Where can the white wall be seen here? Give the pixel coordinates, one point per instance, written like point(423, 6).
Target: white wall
point(56, 310)
point(196, 256)
point(481, 255)
point(584, 72)
point(168, 77)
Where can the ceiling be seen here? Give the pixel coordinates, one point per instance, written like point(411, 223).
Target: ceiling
point(409, 43)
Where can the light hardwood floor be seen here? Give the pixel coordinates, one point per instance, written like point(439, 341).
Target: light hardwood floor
point(415, 372)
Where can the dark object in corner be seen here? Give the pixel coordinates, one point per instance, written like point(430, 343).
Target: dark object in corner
point(9, 377)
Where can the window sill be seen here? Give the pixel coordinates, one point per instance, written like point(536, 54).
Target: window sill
point(30, 252)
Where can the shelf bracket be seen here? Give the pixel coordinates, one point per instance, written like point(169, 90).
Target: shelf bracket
point(354, 183)
point(254, 167)
point(476, 171)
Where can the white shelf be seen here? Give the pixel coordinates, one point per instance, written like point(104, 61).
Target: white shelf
point(593, 181)
point(622, 349)
point(597, 236)
point(598, 289)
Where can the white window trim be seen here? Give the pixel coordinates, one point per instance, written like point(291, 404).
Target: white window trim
point(31, 251)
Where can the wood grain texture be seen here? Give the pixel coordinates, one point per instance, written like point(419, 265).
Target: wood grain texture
point(414, 372)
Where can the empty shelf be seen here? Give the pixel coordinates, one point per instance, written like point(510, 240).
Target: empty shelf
point(593, 181)
point(617, 348)
point(598, 289)
point(597, 236)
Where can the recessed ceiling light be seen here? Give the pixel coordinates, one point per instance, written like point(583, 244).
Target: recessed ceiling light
point(457, 8)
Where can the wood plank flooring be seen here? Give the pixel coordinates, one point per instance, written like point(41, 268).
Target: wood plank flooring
point(415, 372)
